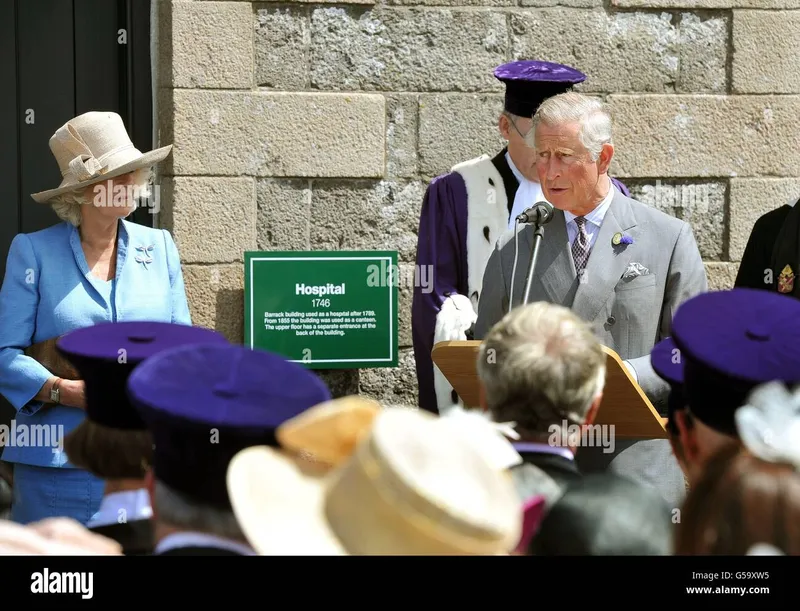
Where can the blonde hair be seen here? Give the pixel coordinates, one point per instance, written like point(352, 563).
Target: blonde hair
point(67, 206)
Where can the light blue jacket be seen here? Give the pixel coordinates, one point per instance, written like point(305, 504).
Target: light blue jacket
point(47, 291)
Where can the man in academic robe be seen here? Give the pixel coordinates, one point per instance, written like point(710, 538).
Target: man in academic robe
point(203, 404)
point(620, 265)
point(463, 214)
point(771, 259)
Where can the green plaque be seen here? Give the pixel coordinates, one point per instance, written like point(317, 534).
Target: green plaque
point(326, 310)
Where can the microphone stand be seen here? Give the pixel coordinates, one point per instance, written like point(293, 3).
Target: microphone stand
point(537, 240)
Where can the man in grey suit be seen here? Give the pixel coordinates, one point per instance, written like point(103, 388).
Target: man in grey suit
point(619, 264)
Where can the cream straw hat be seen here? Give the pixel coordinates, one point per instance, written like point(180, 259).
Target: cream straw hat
point(414, 485)
point(95, 147)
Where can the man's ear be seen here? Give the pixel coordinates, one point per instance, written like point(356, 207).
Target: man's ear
point(504, 125)
point(150, 486)
point(604, 161)
point(594, 408)
point(687, 437)
point(482, 397)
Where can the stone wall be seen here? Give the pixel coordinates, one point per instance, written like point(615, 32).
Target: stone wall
point(343, 111)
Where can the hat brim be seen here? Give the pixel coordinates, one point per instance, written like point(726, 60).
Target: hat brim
point(145, 161)
point(279, 503)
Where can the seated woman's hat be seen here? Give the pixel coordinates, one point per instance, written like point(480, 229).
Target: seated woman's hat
point(95, 147)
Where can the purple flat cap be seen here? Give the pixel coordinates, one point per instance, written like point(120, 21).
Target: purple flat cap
point(206, 403)
point(105, 354)
point(667, 362)
point(732, 341)
point(531, 82)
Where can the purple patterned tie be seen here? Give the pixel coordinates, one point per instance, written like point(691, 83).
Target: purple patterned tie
point(580, 246)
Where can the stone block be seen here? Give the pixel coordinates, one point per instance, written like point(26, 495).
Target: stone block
point(216, 298)
point(367, 215)
point(618, 51)
point(453, 3)
point(765, 59)
point(284, 214)
point(751, 198)
point(701, 136)
point(341, 382)
point(401, 49)
point(455, 128)
point(569, 3)
point(279, 134)
point(282, 39)
point(703, 53)
point(405, 295)
point(402, 125)
point(721, 276)
point(392, 385)
point(702, 205)
point(224, 208)
point(706, 4)
point(211, 45)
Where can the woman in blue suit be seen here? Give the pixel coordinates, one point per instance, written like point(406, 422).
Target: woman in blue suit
point(92, 267)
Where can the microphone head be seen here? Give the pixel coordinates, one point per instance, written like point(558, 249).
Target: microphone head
point(544, 211)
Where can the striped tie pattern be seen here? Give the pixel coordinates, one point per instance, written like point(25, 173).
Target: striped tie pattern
point(580, 246)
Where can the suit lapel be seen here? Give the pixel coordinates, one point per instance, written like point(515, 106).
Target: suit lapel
point(607, 262)
point(554, 268)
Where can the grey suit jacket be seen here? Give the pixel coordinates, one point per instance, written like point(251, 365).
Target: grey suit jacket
point(629, 315)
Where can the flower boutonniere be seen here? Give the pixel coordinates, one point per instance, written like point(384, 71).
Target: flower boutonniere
point(621, 238)
point(144, 255)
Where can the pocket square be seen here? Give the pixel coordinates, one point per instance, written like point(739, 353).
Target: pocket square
point(634, 270)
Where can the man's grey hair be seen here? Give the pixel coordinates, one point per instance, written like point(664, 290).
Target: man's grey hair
point(177, 510)
point(540, 366)
point(591, 113)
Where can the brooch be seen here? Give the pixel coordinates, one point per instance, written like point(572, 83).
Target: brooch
point(786, 280)
point(621, 239)
point(145, 259)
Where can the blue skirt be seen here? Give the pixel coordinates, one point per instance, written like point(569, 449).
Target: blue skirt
point(50, 492)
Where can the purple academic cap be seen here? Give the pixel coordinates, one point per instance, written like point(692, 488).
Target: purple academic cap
point(105, 354)
point(204, 404)
point(667, 362)
point(732, 341)
point(531, 82)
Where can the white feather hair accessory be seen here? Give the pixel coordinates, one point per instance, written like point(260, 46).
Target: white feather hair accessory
point(769, 424)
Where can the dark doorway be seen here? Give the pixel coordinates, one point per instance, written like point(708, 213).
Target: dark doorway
point(59, 59)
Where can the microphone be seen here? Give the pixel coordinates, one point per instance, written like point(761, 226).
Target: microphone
point(540, 213)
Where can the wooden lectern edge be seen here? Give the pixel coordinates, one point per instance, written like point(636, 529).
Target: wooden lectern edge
point(608, 351)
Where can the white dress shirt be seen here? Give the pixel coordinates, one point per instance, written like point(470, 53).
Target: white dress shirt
point(196, 539)
point(593, 220)
point(123, 506)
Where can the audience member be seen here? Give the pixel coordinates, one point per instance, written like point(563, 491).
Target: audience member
point(414, 485)
point(113, 442)
point(203, 404)
point(728, 343)
point(542, 370)
point(749, 497)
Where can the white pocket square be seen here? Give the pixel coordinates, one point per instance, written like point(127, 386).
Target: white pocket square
point(633, 270)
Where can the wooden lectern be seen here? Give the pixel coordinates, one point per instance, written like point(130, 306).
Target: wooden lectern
point(624, 403)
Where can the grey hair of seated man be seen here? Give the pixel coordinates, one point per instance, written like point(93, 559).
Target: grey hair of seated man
point(178, 511)
point(541, 366)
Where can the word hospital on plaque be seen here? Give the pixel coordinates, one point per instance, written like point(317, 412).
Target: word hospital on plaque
point(326, 310)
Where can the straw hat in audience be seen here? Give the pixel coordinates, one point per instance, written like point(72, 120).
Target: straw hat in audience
point(411, 484)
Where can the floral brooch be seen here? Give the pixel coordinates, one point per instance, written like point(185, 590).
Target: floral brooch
point(620, 238)
point(144, 258)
